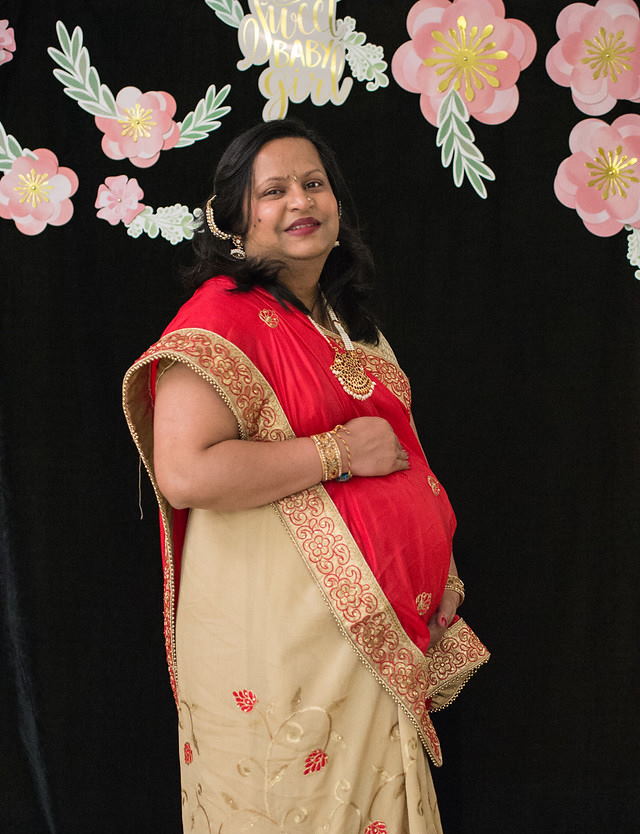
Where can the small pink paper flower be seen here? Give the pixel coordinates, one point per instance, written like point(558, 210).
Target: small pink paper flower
point(245, 699)
point(118, 198)
point(376, 827)
point(598, 54)
point(7, 42)
point(469, 45)
point(601, 179)
point(144, 128)
point(35, 192)
point(188, 753)
point(315, 761)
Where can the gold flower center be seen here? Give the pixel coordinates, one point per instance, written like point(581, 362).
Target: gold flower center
point(34, 188)
point(607, 54)
point(466, 58)
point(138, 123)
point(611, 172)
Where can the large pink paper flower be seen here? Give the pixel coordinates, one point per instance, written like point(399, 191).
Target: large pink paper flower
point(598, 54)
point(144, 128)
point(117, 200)
point(7, 42)
point(35, 191)
point(469, 45)
point(601, 179)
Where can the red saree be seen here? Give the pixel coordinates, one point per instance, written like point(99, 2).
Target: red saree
point(378, 549)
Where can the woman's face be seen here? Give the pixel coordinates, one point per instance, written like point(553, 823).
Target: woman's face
point(293, 213)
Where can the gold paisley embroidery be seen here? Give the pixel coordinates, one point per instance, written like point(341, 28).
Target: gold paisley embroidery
point(269, 317)
point(423, 603)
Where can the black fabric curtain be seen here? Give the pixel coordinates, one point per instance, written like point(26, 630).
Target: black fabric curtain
point(520, 332)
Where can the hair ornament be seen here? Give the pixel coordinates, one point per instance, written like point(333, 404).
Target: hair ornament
point(238, 251)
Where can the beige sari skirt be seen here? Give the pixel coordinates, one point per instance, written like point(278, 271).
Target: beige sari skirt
point(282, 728)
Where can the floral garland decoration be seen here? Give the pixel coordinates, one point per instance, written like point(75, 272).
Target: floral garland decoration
point(464, 59)
point(306, 48)
point(118, 199)
point(598, 57)
point(137, 126)
point(34, 190)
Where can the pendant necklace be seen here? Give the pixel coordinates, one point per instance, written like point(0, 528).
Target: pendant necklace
point(346, 366)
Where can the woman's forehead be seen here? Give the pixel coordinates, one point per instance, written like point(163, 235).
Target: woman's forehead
point(287, 158)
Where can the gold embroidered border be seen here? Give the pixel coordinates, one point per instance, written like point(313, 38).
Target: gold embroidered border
point(241, 386)
point(418, 683)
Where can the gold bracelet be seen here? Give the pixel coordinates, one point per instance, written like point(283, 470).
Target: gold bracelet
point(330, 455)
point(345, 474)
point(454, 583)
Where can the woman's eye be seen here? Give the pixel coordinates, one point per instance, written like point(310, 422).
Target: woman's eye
point(272, 191)
point(314, 184)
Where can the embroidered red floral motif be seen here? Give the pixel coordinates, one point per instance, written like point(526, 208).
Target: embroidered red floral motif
point(315, 761)
point(376, 827)
point(245, 699)
point(188, 753)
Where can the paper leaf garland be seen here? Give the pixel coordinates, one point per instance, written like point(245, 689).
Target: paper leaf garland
point(228, 11)
point(466, 53)
point(456, 139)
point(306, 49)
point(201, 121)
point(34, 190)
point(118, 201)
point(633, 249)
point(136, 125)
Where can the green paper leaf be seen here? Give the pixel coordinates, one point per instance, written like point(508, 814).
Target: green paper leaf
point(13, 146)
point(60, 58)
point(76, 43)
point(477, 183)
point(63, 37)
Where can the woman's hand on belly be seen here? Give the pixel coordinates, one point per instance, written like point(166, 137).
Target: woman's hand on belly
point(375, 449)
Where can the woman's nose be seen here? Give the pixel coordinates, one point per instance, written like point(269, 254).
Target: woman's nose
point(298, 197)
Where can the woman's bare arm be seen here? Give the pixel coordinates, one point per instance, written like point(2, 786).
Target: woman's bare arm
point(200, 461)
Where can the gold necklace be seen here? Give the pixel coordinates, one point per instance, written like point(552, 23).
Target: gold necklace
point(346, 366)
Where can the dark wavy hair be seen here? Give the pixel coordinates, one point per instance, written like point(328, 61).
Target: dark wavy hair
point(347, 277)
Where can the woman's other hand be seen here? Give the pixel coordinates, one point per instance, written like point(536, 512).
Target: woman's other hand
point(375, 449)
point(441, 619)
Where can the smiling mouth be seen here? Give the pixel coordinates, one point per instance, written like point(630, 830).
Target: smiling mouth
point(303, 223)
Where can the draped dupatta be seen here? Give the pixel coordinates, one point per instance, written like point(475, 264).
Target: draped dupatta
point(378, 549)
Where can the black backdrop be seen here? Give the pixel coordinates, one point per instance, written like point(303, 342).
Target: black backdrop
point(520, 332)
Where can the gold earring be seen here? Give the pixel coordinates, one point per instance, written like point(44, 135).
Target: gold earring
point(238, 252)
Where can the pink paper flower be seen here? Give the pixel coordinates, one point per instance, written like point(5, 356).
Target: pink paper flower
point(35, 191)
point(118, 198)
point(469, 45)
point(598, 54)
point(7, 42)
point(144, 128)
point(601, 179)
point(315, 761)
point(245, 699)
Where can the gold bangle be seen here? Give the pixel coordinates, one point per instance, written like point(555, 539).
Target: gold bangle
point(345, 474)
point(454, 583)
point(330, 455)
